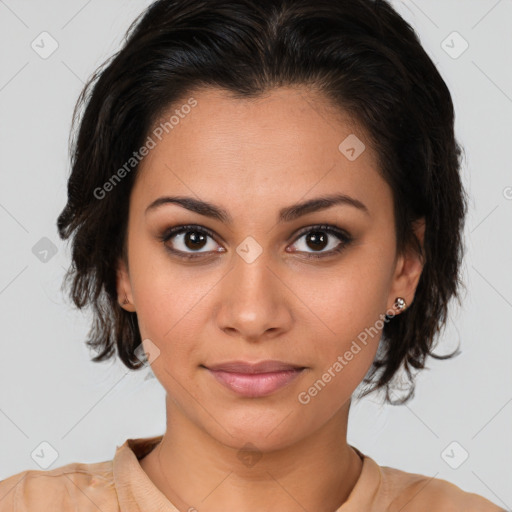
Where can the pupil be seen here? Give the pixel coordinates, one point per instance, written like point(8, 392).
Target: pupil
point(317, 238)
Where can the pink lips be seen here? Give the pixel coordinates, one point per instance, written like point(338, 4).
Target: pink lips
point(255, 380)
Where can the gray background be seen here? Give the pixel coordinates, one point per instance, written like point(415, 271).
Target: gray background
point(49, 389)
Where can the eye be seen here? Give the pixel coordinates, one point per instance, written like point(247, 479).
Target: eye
point(192, 237)
point(320, 237)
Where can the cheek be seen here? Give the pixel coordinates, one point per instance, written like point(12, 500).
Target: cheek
point(171, 304)
point(351, 296)
point(166, 318)
point(350, 304)
point(352, 314)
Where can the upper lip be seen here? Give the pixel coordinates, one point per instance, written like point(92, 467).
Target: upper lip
point(260, 367)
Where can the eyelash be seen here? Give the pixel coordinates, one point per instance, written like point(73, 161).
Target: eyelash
point(344, 238)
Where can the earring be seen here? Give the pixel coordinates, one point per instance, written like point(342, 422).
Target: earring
point(400, 303)
point(125, 301)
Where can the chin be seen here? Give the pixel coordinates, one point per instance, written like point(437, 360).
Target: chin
point(265, 431)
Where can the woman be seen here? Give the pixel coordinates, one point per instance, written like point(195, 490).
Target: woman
point(265, 205)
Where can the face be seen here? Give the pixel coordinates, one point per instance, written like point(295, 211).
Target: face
point(252, 279)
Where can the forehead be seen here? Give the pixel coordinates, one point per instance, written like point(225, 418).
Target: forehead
point(281, 147)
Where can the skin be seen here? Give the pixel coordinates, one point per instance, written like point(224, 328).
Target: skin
point(252, 158)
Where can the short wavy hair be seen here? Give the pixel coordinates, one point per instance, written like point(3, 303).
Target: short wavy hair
point(361, 54)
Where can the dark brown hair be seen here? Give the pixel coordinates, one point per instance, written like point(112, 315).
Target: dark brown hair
point(360, 54)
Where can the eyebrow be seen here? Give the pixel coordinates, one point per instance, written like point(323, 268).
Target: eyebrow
point(286, 214)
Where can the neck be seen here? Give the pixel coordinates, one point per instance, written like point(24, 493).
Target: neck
point(197, 472)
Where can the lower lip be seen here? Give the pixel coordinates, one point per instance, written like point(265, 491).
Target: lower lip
point(255, 384)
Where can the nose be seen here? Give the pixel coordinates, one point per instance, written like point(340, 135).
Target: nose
point(253, 302)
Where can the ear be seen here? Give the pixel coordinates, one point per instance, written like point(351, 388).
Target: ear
point(408, 269)
point(124, 287)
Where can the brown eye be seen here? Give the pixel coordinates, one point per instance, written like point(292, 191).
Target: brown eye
point(189, 241)
point(318, 238)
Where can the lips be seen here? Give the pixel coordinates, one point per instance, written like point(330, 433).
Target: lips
point(261, 367)
point(255, 379)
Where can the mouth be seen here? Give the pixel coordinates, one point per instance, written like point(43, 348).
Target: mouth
point(255, 379)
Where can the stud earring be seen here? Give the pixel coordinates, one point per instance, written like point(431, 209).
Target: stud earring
point(125, 301)
point(400, 303)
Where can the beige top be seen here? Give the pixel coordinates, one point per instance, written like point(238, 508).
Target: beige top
point(121, 485)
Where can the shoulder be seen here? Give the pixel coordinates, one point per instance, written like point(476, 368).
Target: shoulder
point(75, 486)
point(412, 492)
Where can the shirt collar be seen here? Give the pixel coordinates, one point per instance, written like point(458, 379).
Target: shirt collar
point(135, 491)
